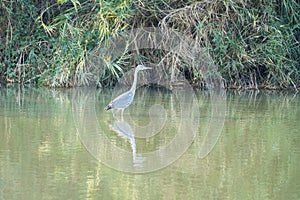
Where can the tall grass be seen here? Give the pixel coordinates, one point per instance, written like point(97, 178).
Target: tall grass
point(255, 44)
point(47, 43)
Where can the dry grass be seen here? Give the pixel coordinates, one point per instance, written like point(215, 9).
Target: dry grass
point(251, 44)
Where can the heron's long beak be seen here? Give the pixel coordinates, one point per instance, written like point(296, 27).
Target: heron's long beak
point(148, 67)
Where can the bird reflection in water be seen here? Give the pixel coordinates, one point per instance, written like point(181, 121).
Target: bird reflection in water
point(124, 130)
point(121, 102)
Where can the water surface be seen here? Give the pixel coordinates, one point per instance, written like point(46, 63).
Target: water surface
point(255, 156)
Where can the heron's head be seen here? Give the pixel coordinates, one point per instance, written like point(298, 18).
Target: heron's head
point(142, 67)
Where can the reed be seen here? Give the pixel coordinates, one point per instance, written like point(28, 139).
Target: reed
point(255, 44)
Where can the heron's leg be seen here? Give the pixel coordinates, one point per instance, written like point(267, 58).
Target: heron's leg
point(122, 112)
point(116, 114)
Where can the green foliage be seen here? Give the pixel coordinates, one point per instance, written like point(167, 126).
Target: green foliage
point(49, 43)
point(22, 55)
point(254, 43)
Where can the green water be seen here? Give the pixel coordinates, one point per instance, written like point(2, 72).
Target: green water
point(48, 149)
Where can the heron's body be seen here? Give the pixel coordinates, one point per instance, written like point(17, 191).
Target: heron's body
point(122, 101)
point(125, 99)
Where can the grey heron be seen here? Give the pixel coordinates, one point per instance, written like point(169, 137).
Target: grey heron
point(125, 99)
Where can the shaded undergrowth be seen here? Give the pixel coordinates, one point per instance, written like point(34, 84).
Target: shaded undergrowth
point(255, 44)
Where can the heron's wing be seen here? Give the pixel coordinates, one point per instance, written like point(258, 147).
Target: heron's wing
point(123, 100)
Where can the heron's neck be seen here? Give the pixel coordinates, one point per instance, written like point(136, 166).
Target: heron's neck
point(133, 87)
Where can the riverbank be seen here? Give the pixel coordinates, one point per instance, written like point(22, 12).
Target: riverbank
point(255, 45)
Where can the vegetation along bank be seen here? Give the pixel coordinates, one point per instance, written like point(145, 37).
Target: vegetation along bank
point(254, 43)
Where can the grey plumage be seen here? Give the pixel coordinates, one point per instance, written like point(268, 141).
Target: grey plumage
point(125, 99)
